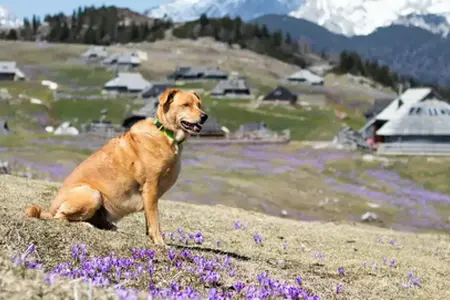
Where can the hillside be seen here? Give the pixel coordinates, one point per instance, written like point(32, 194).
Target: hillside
point(410, 51)
point(112, 25)
point(373, 263)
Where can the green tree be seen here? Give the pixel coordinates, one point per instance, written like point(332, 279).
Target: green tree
point(203, 20)
point(277, 38)
point(12, 35)
point(90, 37)
point(288, 39)
point(264, 32)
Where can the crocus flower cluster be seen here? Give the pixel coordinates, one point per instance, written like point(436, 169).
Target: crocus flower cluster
point(412, 281)
point(197, 237)
point(193, 276)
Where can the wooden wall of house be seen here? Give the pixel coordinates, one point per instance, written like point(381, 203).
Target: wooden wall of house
point(7, 76)
point(414, 149)
point(418, 139)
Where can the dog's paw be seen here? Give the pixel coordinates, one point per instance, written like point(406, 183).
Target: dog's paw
point(85, 224)
point(160, 242)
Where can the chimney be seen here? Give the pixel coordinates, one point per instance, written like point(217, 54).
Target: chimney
point(400, 89)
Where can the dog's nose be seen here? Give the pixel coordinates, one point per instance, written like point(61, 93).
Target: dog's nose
point(203, 118)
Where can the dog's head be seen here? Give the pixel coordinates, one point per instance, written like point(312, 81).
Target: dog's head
point(181, 111)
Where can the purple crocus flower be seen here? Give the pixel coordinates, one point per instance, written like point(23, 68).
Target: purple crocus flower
point(171, 254)
point(339, 289)
point(341, 271)
point(238, 286)
point(198, 238)
point(392, 263)
point(237, 225)
point(258, 238)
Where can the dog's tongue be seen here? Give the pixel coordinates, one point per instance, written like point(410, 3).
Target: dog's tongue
point(197, 128)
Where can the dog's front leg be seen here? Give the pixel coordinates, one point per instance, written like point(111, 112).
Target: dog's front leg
point(150, 196)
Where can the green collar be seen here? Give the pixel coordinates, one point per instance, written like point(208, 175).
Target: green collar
point(169, 133)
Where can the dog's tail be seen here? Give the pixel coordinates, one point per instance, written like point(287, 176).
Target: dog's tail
point(35, 211)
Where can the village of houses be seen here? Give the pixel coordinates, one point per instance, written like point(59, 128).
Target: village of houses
point(415, 122)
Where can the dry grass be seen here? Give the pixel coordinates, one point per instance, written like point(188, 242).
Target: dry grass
point(344, 245)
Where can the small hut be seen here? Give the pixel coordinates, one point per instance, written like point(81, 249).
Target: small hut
point(280, 94)
point(126, 82)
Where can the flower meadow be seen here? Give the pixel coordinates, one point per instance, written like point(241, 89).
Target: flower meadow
point(213, 252)
point(179, 274)
point(185, 274)
point(294, 181)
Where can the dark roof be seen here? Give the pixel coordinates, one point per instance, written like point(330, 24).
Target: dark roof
point(4, 130)
point(281, 93)
point(232, 85)
point(378, 106)
point(198, 72)
point(212, 127)
point(155, 89)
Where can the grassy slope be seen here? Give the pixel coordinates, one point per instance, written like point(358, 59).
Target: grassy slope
point(344, 245)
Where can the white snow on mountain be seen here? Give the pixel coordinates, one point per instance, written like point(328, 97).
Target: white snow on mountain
point(8, 20)
point(187, 10)
point(348, 17)
point(362, 17)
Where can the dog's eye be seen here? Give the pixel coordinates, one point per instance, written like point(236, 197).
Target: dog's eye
point(186, 105)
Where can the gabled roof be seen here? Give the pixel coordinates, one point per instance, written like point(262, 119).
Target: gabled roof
point(122, 58)
point(10, 67)
point(132, 81)
point(401, 104)
point(235, 84)
point(431, 117)
point(128, 58)
point(148, 110)
point(99, 51)
point(199, 71)
point(281, 93)
point(378, 106)
point(211, 126)
point(4, 130)
point(255, 126)
point(306, 75)
point(156, 88)
point(7, 67)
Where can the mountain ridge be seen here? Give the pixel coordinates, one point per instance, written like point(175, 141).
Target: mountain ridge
point(348, 17)
point(409, 51)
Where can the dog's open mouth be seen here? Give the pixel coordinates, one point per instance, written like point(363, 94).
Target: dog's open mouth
point(192, 127)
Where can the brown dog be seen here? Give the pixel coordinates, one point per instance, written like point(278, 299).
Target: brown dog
point(131, 172)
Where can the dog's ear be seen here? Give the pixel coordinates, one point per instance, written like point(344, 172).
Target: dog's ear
point(196, 95)
point(167, 97)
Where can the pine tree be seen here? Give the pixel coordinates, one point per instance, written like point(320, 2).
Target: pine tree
point(288, 39)
point(90, 37)
point(134, 37)
point(264, 32)
point(27, 30)
point(64, 33)
point(203, 20)
point(277, 38)
point(12, 35)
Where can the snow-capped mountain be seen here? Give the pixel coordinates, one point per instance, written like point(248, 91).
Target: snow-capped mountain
point(187, 10)
point(348, 17)
point(362, 17)
point(8, 20)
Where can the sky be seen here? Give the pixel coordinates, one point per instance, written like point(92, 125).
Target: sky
point(26, 8)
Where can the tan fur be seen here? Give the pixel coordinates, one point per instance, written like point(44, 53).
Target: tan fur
point(130, 173)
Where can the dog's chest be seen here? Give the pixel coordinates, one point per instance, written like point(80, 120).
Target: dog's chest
point(129, 202)
point(170, 176)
